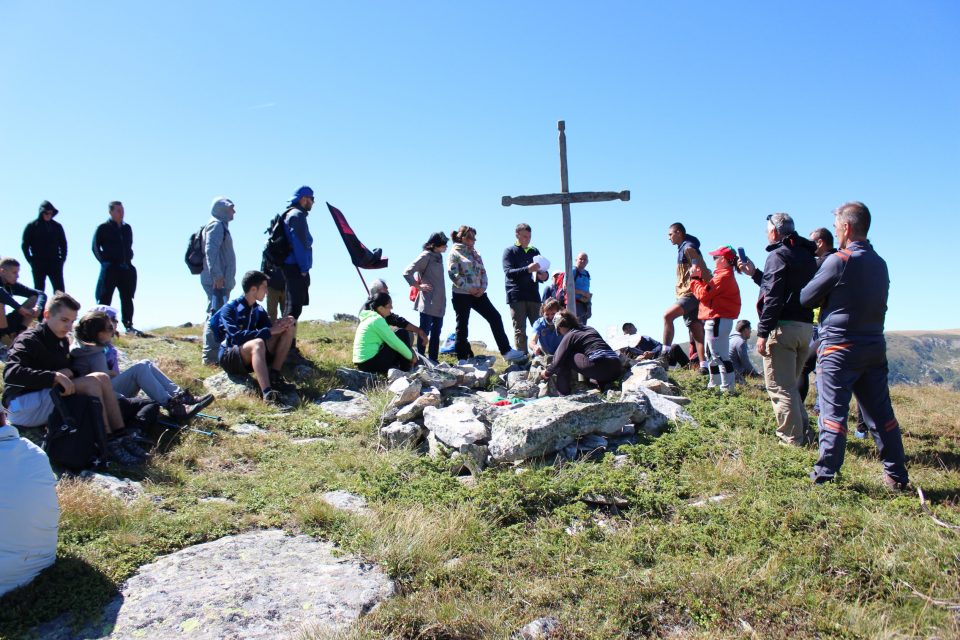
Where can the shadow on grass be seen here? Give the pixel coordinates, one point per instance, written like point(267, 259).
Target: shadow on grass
point(60, 602)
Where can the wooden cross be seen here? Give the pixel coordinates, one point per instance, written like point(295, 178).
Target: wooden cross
point(564, 199)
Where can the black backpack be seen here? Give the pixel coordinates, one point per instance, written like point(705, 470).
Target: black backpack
point(76, 438)
point(194, 255)
point(277, 249)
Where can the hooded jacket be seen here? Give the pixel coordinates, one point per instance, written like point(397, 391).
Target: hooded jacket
point(790, 265)
point(44, 242)
point(720, 296)
point(429, 267)
point(219, 259)
point(88, 358)
point(688, 251)
point(465, 269)
point(36, 355)
point(372, 334)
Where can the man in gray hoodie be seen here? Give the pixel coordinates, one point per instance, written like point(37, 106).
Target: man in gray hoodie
point(219, 274)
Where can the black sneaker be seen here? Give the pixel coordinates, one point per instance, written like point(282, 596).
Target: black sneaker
point(277, 381)
point(118, 454)
point(275, 400)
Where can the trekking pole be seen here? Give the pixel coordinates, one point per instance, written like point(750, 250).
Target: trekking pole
point(208, 416)
point(170, 425)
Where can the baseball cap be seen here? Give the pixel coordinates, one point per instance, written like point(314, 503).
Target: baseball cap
point(727, 253)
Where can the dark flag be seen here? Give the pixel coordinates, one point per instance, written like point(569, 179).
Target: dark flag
point(360, 256)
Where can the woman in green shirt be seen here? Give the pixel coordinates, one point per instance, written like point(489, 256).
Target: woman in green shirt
point(376, 348)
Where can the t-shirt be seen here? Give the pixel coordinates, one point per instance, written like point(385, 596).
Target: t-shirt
point(547, 336)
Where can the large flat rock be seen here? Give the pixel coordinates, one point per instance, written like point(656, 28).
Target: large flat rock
point(258, 585)
point(549, 424)
point(344, 403)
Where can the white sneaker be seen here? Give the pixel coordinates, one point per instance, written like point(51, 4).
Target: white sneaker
point(514, 356)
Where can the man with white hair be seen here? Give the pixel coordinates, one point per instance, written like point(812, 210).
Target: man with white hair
point(219, 274)
point(785, 326)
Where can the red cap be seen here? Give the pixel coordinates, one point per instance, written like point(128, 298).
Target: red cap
point(727, 253)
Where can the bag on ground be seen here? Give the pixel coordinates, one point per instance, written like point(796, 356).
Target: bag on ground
point(76, 438)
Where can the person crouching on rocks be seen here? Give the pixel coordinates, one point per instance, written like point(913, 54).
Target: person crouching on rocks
point(584, 351)
point(376, 347)
point(545, 339)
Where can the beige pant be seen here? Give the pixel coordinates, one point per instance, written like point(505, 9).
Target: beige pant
point(521, 313)
point(276, 298)
point(788, 345)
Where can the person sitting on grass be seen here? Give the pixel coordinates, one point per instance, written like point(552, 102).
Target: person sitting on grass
point(376, 347)
point(23, 314)
point(93, 351)
point(648, 348)
point(251, 342)
point(545, 338)
point(584, 351)
point(40, 360)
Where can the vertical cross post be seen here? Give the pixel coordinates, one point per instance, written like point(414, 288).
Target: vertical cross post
point(567, 225)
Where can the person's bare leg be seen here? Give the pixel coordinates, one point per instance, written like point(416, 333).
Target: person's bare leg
point(254, 354)
point(280, 346)
point(98, 386)
point(671, 314)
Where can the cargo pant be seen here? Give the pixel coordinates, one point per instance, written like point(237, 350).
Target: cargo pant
point(858, 368)
point(787, 346)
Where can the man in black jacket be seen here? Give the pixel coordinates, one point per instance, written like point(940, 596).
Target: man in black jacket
point(522, 277)
point(785, 327)
point(113, 248)
point(45, 248)
point(22, 314)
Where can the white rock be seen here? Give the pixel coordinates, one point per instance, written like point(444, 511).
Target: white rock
point(430, 398)
point(245, 429)
point(346, 501)
point(401, 434)
point(345, 403)
point(455, 425)
point(405, 391)
point(124, 488)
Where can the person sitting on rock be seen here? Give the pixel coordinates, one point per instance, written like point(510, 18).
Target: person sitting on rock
point(545, 338)
point(93, 351)
point(581, 350)
point(40, 360)
point(251, 342)
point(398, 322)
point(740, 351)
point(23, 314)
point(648, 348)
point(376, 347)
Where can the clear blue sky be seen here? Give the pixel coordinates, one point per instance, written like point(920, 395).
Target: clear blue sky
point(416, 117)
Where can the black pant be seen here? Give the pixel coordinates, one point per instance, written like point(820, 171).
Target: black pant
point(809, 367)
point(297, 290)
point(602, 370)
point(44, 270)
point(387, 358)
point(124, 278)
point(462, 304)
point(677, 356)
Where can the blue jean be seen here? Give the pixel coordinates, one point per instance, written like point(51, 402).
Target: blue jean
point(856, 369)
point(216, 298)
point(432, 326)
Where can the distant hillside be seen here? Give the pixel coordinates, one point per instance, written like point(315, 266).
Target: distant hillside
point(924, 357)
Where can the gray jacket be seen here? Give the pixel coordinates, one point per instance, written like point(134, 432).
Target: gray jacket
point(87, 358)
point(429, 266)
point(219, 260)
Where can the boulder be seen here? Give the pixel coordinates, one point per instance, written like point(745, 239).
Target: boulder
point(439, 378)
point(547, 425)
point(401, 434)
point(681, 400)
point(659, 386)
point(123, 488)
point(640, 373)
point(525, 389)
point(259, 585)
point(659, 411)
point(515, 378)
point(224, 385)
point(429, 398)
point(354, 379)
point(540, 629)
point(346, 501)
point(405, 391)
point(395, 374)
point(455, 425)
point(346, 404)
point(437, 449)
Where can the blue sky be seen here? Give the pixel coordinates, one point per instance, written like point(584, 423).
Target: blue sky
point(416, 117)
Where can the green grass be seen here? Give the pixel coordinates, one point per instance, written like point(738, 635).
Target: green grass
point(778, 558)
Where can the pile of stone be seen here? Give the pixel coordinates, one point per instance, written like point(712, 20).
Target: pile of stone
point(448, 411)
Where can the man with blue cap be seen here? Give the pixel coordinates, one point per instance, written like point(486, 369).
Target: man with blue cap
point(296, 267)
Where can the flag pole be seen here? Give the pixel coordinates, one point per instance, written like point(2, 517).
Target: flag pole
point(362, 280)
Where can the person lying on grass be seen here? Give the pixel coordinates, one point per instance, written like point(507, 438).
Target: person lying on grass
point(376, 348)
point(93, 351)
point(40, 360)
point(251, 343)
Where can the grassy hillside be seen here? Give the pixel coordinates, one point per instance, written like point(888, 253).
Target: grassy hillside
point(776, 557)
point(925, 357)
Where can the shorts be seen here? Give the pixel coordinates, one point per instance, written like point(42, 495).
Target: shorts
point(690, 307)
point(31, 409)
point(231, 361)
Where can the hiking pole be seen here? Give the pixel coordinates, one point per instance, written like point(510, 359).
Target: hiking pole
point(170, 425)
point(208, 416)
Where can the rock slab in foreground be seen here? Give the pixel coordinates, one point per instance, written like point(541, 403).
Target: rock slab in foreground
point(550, 424)
point(345, 403)
point(263, 584)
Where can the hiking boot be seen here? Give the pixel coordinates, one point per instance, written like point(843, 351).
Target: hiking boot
point(514, 356)
point(133, 448)
point(182, 411)
point(130, 331)
point(893, 484)
point(118, 453)
point(275, 400)
point(295, 358)
point(186, 397)
point(277, 381)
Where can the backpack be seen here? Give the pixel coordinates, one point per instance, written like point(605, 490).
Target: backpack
point(277, 248)
point(75, 438)
point(194, 255)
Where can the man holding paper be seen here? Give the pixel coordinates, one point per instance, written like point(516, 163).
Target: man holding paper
point(524, 269)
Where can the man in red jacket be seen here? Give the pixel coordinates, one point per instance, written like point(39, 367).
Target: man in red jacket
point(719, 300)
